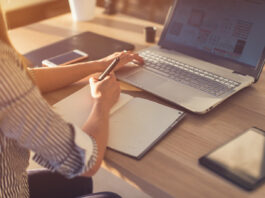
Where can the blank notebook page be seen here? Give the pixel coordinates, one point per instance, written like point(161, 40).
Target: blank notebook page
point(135, 123)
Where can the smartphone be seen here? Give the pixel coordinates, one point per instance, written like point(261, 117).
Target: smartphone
point(241, 160)
point(65, 58)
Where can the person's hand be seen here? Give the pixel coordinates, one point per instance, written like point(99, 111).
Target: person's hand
point(105, 92)
point(125, 57)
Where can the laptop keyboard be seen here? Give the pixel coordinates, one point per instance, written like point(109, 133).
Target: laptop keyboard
point(186, 74)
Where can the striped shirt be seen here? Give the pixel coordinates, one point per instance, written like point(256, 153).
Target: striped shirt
point(27, 122)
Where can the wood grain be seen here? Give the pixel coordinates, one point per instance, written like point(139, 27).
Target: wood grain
point(171, 168)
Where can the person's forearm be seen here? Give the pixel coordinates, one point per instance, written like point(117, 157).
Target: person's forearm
point(97, 125)
point(52, 78)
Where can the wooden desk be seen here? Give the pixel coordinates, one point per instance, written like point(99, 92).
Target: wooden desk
point(171, 168)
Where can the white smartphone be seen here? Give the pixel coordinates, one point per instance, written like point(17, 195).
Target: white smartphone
point(65, 58)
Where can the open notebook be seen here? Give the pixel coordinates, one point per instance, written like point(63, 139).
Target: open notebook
point(136, 124)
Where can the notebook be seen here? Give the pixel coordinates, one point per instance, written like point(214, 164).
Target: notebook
point(95, 45)
point(136, 124)
point(208, 51)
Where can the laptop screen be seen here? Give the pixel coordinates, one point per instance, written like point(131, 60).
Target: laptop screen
point(229, 29)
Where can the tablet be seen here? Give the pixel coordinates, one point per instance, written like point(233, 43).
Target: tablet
point(95, 45)
point(241, 160)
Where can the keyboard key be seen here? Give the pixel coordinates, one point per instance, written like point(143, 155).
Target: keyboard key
point(187, 74)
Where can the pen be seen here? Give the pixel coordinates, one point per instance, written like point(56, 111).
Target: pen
point(109, 68)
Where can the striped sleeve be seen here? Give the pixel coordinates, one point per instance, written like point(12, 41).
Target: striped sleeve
point(28, 118)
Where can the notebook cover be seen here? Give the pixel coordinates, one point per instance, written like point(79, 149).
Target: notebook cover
point(97, 46)
point(133, 131)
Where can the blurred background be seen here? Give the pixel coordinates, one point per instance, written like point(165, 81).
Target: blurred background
point(23, 12)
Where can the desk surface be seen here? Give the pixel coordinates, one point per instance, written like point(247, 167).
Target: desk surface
point(171, 168)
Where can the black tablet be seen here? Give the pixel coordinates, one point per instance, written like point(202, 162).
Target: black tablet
point(241, 160)
point(95, 45)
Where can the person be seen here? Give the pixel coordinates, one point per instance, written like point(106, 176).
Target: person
point(28, 123)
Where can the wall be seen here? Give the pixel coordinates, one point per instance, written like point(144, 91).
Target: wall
point(23, 12)
point(153, 10)
point(17, 4)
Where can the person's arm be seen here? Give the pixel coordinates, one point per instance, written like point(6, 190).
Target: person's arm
point(52, 78)
point(105, 93)
point(27, 118)
point(97, 126)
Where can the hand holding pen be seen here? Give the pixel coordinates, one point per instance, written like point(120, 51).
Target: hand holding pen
point(109, 69)
point(105, 89)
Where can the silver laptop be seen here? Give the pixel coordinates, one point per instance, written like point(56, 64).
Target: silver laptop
point(208, 50)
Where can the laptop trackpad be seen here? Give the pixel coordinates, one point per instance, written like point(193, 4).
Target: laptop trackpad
point(147, 78)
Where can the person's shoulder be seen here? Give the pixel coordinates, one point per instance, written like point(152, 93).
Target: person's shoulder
point(8, 56)
point(7, 51)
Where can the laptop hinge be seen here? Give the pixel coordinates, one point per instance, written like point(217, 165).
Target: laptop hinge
point(236, 72)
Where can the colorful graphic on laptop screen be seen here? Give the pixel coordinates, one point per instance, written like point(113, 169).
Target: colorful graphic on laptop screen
point(197, 24)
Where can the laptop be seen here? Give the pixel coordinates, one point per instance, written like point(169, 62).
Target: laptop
point(208, 51)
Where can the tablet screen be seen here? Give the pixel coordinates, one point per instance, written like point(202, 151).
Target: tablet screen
point(244, 156)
